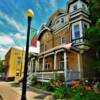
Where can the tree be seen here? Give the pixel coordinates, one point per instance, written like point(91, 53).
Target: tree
point(93, 33)
point(2, 66)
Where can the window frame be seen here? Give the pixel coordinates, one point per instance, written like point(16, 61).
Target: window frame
point(77, 31)
point(62, 21)
point(74, 9)
point(62, 40)
point(48, 66)
point(60, 62)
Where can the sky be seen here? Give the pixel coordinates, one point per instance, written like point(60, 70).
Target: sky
point(13, 22)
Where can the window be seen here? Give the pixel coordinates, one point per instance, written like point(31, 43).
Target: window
point(61, 65)
point(83, 6)
point(62, 40)
point(17, 74)
point(76, 31)
point(45, 47)
point(85, 26)
point(75, 7)
point(42, 47)
point(62, 20)
point(19, 60)
point(57, 21)
point(47, 66)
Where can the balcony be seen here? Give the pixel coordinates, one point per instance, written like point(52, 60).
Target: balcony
point(81, 43)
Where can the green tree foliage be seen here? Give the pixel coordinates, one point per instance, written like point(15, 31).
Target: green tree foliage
point(94, 10)
point(2, 66)
point(93, 33)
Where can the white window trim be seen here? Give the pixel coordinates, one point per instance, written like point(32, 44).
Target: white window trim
point(80, 28)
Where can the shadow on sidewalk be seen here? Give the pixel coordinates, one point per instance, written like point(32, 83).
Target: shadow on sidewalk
point(38, 91)
point(1, 98)
point(40, 97)
point(14, 84)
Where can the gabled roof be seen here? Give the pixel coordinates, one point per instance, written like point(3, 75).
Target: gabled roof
point(59, 12)
point(43, 28)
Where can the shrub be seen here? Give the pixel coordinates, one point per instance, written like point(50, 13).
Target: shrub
point(82, 94)
point(58, 81)
point(46, 86)
point(34, 80)
point(60, 93)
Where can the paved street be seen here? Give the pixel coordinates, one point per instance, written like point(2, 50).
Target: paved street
point(10, 91)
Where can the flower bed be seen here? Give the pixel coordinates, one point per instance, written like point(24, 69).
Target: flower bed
point(79, 90)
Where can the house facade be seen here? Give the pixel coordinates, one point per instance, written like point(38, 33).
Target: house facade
point(14, 64)
point(63, 46)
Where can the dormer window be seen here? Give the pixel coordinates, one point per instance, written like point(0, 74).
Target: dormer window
point(62, 20)
point(75, 7)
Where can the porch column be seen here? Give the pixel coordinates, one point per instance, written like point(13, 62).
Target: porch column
point(65, 66)
point(36, 65)
point(78, 57)
point(32, 63)
point(54, 60)
point(79, 66)
point(43, 64)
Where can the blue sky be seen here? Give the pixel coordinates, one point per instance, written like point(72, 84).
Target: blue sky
point(13, 22)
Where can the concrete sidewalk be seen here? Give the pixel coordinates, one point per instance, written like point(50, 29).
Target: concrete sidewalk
point(32, 94)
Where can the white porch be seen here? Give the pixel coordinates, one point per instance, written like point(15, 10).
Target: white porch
point(44, 74)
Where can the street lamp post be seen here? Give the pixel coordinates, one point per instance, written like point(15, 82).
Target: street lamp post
point(29, 15)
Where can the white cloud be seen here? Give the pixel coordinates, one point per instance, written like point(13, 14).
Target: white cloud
point(52, 3)
point(18, 26)
point(3, 51)
point(20, 36)
point(6, 40)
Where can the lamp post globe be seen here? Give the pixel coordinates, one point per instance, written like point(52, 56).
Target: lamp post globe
point(29, 15)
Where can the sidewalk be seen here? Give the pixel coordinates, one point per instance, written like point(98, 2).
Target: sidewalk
point(32, 93)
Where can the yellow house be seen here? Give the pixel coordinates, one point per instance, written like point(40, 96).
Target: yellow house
point(15, 64)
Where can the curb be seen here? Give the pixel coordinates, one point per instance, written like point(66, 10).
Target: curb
point(40, 90)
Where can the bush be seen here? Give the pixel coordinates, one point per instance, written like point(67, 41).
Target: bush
point(34, 80)
point(60, 93)
point(58, 81)
point(46, 86)
point(82, 94)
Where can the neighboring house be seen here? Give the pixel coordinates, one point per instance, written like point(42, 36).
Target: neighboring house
point(15, 64)
point(63, 46)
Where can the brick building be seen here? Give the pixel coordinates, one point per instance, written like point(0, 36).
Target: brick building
point(63, 46)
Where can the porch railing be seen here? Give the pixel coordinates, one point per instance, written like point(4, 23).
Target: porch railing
point(71, 75)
